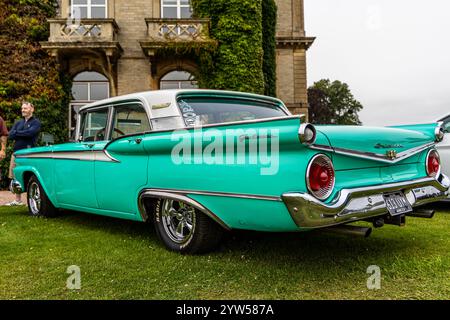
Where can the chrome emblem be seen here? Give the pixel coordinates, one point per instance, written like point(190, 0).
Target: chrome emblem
point(391, 154)
point(386, 146)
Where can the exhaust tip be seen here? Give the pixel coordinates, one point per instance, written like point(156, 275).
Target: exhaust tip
point(422, 213)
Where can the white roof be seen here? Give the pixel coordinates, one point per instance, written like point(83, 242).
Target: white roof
point(165, 96)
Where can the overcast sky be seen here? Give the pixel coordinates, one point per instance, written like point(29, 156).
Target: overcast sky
point(394, 55)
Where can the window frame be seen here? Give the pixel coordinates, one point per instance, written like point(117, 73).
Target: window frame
point(178, 5)
point(89, 84)
point(113, 113)
point(178, 81)
point(276, 104)
point(81, 120)
point(89, 7)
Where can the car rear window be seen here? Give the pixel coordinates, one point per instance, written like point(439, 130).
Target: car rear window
point(199, 111)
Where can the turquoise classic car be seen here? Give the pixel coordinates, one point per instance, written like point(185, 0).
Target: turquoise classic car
point(198, 162)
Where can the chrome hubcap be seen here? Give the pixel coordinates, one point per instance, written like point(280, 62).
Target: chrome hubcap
point(178, 220)
point(34, 198)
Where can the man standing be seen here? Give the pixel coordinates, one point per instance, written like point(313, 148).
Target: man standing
point(25, 134)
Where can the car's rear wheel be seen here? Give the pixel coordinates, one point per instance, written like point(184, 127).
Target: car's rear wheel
point(39, 204)
point(184, 229)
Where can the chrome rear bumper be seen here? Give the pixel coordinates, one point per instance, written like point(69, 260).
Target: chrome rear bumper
point(361, 203)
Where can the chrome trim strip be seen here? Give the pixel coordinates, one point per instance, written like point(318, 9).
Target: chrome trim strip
point(371, 155)
point(109, 156)
point(218, 194)
point(149, 193)
point(361, 203)
point(224, 124)
point(88, 155)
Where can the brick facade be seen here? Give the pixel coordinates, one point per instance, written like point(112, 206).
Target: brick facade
point(131, 68)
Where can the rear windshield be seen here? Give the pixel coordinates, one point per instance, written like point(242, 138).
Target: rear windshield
point(198, 111)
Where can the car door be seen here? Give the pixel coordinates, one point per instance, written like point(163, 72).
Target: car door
point(121, 170)
point(74, 162)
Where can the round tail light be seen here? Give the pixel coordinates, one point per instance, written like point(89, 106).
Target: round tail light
point(320, 177)
point(433, 163)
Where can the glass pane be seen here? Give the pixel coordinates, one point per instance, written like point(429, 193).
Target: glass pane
point(90, 76)
point(79, 12)
point(94, 125)
point(185, 2)
point(186, 12)
point(169, 2)
point(169, 12)
point(165, 85)
point(98, 2)
point(130, 119)
point(98, 12)
point(177, 76)
point(80, 91)
point(209, 110)
point(447, 127)
point(75, 2)
point(99, 91)
point(188, 85)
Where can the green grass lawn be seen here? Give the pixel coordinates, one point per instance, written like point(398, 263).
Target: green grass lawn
point(125, 260)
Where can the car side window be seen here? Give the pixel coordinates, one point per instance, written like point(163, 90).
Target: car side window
point(93, 125)
point(447, 124)
point(129, 119)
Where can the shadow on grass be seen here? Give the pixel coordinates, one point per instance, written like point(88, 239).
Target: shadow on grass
point(271, 248)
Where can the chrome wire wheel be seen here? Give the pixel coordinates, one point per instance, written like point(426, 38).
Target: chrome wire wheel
point(34, 198)
point(178, 220)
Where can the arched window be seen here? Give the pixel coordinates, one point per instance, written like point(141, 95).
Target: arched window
point(178, 80)
point(87, 87)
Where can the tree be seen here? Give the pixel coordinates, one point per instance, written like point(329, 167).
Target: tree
point(27, 72)
point(333, 103)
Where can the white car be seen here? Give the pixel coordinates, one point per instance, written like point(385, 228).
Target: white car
point(444, 146)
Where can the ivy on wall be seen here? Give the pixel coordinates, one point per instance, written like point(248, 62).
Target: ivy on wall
point(27, 72)
point(237, 64)
point(269, 25)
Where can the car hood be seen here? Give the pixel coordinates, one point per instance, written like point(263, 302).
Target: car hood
point(378, 143)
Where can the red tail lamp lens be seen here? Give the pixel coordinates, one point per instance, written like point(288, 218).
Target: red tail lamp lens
point(320, 177)
point(433, 163)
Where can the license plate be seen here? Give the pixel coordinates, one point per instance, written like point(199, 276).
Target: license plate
point(397, 203)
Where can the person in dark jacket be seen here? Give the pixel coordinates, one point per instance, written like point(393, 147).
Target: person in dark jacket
point(25, 133)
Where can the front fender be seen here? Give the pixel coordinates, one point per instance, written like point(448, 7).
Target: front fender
point(19, 174)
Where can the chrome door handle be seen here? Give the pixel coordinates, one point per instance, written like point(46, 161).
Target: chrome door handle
point(138, 140)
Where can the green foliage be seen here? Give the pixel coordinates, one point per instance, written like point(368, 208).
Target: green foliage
point(27, 72)
point(122, 259)
point(333, 103)
point(269, 24)
point(237, 64)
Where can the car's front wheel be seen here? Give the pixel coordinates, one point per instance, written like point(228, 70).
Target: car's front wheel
point(39, 205)
point(184, 229)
